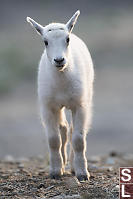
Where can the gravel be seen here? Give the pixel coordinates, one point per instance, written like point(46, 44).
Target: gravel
point(22, 179)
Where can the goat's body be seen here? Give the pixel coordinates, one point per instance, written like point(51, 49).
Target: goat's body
point(73, 89)
point(73, 86)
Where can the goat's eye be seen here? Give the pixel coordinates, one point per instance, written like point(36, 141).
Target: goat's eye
point(67, 40)
point(46, 43)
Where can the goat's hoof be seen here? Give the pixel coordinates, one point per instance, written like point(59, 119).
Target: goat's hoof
point(72, 172)
point(55, 176)
point(83, 177)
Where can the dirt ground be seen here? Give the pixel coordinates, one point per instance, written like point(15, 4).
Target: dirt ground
point(29, 178)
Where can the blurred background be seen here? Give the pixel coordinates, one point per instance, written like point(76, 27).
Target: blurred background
point(107, 29)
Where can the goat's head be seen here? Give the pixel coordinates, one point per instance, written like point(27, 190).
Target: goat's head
point(56, 38)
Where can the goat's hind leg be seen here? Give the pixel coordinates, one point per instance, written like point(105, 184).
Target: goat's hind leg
point(64, 135)
point(71, 150)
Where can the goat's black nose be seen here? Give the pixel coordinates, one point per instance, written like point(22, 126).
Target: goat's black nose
point(59, 60)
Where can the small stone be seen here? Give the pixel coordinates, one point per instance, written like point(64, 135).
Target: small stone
point(21, 165)
point(7, 188)
point(41, 198)
point(110, 169)
point(113, 154)
point(116, 188)
point(74, 196)
point(41, 186)
point(34, 189)
point(72, 182)
point(110, 160)
point(48, 188)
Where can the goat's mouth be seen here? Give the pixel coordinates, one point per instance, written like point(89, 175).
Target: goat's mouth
point(60, 67)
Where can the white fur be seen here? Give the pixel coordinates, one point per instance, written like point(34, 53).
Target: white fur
point(68, 87)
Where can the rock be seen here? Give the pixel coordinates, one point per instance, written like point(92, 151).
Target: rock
point(72, 182)
point(48, 188)
point(21, 165)
point(110, 169)
point(75, 196)
point(116, 188)
point(41, 198)
point(110, 160)
point(41, 186)
point(113, 154)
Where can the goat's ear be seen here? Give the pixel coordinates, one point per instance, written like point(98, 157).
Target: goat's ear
point(38, 27)
point(70, 24)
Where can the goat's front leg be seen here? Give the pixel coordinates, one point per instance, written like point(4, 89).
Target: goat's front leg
point(80, 128)
point(51, 121)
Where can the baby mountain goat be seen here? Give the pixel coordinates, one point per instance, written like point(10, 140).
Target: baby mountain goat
point(65, 80)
